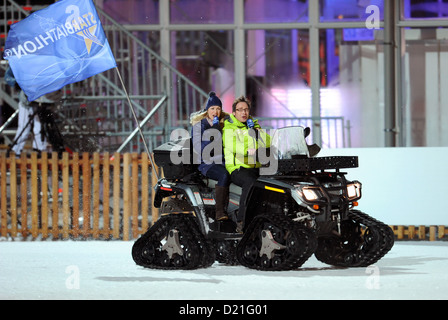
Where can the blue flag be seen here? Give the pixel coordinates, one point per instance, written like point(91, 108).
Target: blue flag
point(61, 44)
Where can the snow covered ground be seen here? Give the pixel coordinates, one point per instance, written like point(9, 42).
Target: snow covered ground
point(105, 270)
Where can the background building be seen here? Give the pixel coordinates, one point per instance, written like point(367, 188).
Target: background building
point(361, 73)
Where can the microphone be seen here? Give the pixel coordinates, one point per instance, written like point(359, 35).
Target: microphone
point(251, 125)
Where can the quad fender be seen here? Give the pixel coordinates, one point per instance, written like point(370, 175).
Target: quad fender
point(277, 196)
point(192, 196)
point(265, 190)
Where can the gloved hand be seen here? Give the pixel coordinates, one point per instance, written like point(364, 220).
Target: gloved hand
point(251, 125)
point(215, 120)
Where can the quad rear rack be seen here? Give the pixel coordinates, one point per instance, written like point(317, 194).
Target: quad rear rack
point(302, 165)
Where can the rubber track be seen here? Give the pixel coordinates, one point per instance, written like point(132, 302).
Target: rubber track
point(201, 252)
point(359, 251)
point(296, 253)
point(226, 252)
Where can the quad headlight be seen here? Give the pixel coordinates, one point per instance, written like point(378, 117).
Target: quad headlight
point(309, 194)
point(314, 193)
point(354, 190)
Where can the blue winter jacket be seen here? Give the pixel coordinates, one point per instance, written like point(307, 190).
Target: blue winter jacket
point(201, 139)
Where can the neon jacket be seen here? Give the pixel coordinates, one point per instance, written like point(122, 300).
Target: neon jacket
point(237, 139)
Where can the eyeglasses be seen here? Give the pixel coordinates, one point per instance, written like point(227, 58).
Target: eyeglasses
point(242, 110)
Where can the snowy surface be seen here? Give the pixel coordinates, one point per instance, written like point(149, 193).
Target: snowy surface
point(105, 270)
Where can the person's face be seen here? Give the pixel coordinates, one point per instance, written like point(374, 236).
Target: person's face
point(241, 112)
point(214, 111)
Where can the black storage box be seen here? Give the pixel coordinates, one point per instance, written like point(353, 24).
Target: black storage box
point(175, 158)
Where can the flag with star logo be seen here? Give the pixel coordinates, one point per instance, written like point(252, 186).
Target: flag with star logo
point(61, 44)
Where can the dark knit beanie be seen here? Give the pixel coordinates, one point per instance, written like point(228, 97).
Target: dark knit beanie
point(213, 100)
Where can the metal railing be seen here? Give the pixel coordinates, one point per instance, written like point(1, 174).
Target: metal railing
point(94, 114)
point(152, 83)
point(335, 130)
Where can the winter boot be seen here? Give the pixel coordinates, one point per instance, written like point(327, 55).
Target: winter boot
point(221, 199)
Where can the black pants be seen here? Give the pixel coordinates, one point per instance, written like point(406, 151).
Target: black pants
point(244, 177)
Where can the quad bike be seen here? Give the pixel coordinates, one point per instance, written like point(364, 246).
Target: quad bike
point(302, 206)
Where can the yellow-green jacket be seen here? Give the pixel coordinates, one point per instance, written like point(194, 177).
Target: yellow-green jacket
point(236, 142)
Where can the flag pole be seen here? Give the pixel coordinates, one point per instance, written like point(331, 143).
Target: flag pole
point(138, 123)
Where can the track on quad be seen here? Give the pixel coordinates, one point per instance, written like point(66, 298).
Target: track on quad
point(271, 242)
point(275, 242)
point(355, 247)
point(174, 242)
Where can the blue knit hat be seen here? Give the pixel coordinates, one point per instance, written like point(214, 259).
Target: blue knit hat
point(213, 100)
